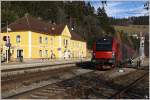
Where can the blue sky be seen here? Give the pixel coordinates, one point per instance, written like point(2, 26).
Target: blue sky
point(122, 9)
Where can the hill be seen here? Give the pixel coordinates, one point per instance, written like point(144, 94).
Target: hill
point(133, 28)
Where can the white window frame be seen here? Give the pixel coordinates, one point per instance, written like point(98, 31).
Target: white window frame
point(46, 40)
point(40, 39)
point(18, 40)
point(46, 53)
point(40, 53)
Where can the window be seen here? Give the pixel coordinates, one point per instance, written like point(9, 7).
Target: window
point(64, 41)
point(46, 40)
point(46, 53)
point(40, 39)
point(51, 41)
point(12, 51)
point(142, 44)
point(104, 44)
point(40, 53)
point(18, 39)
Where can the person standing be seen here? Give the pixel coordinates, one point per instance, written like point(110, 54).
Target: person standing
point(139, 62)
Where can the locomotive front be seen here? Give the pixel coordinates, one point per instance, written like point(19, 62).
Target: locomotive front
point(104, 51)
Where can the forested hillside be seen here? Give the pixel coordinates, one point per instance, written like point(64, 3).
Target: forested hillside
point(90, 23)
point(140, 20)
point(79, 15)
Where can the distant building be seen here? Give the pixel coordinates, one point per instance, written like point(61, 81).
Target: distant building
point(34, 38)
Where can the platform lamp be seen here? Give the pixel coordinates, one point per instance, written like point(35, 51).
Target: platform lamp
point(8, 41)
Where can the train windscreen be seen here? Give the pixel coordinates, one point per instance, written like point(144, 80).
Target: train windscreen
point(104, 45)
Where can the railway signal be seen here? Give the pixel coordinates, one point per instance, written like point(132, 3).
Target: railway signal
point(5, 38)
point(146, 5)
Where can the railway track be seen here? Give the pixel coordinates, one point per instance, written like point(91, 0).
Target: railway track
point(119, 94)
point(69, 88)
point(52, 77)
point(7, 79)
point(11, 75)
point(80, 86)
point(17, 71)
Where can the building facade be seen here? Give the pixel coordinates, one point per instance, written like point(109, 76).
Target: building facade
point(35, 39)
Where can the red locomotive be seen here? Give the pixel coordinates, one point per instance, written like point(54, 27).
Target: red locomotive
point(108, 51)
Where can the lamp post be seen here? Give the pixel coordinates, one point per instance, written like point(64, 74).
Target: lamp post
point(8, 41)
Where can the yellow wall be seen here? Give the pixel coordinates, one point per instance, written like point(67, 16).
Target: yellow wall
point(37, 46)
point(31, 45)
point(51, 45)
point(22, 45)
point(78, 48)
point(64, 46)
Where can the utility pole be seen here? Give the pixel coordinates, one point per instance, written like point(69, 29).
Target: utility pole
point(7, 42)
point(146, 7)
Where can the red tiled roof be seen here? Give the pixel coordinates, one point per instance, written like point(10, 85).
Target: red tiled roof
point(75, 36)
point(29, 23)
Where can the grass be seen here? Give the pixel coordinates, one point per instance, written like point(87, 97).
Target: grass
point(133, 28)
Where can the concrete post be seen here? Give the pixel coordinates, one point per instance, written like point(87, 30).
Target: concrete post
point(141, 49)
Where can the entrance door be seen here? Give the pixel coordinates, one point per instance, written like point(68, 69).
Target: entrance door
point(19, 53)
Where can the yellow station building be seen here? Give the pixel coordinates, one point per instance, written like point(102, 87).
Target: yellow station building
point(36, 39)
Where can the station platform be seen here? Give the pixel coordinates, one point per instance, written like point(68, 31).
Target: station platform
point(145, 61)
point(41, 62)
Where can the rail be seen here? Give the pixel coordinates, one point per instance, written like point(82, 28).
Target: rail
point(18, 71)
point(36, 87)
point(119, 94)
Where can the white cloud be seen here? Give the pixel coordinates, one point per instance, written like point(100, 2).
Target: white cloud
point(112, 8)
point(115, 9)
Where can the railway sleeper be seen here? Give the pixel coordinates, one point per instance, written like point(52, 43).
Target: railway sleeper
point(39, 93)
point(46, 91)
point(132, 96)
point(32, 96)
